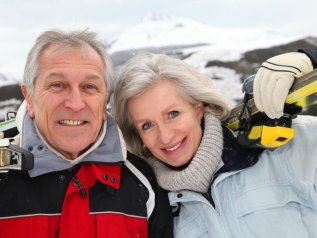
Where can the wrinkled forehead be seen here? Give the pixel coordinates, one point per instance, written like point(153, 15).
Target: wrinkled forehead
point(80, 49)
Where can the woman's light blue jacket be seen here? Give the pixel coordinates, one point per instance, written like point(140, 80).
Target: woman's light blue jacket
point(275, 198)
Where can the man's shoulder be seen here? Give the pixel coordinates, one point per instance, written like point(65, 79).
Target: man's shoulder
point(137, 161)
point(142, 166)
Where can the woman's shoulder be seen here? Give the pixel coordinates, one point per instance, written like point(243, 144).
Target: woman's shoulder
point(184, 196)
point(305, 131)
point(305, 119)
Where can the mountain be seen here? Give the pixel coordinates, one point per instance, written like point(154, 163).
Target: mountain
point(226, 55)
point(4, 80)
point(165, 31)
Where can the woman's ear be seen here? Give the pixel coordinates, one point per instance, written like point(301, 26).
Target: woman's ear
point(199, 108)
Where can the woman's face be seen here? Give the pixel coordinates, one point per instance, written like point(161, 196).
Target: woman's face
point(169, 126)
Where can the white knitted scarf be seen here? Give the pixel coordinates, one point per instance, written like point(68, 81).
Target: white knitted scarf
point(198, 174)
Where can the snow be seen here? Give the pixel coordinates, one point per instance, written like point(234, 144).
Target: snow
point(227, 81)
point(212, 44)
point(222, 43)
point(7, 80)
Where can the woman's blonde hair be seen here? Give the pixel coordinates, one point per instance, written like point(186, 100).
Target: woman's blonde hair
point(144, 71)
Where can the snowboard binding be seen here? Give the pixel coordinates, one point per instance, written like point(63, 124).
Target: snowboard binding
point(255, 129)
point(12, 157)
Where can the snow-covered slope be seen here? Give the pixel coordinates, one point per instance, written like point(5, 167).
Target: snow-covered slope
point(202, 42)
point(158, 31)
point(4, 80)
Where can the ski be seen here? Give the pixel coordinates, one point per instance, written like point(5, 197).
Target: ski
point(246, 118)
point(8, 128)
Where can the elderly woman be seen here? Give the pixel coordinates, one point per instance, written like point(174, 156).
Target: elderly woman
point(171, 114)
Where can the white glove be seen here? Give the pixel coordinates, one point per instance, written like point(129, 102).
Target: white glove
point(274, 79)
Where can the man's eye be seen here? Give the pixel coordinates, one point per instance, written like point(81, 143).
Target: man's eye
point(56, 86)
point(146, 126)
point(173, 114)
point(91, 87)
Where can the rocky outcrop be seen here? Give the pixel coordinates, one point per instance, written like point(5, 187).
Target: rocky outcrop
point(252, 59)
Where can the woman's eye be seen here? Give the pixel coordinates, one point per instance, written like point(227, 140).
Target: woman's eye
point(146, 126)
point(173, 114)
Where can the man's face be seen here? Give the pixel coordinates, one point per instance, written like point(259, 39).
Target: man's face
point(69, 100)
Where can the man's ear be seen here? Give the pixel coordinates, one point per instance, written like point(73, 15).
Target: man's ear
point(104, 114)
point(28, 99)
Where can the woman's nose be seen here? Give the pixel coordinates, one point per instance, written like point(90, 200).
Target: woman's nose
point(165, 134)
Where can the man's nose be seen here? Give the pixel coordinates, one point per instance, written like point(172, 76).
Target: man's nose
point(75, 100)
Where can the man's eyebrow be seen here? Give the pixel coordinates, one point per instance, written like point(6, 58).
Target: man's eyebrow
point(61, 76)
point(93, 77)
point(56, 75)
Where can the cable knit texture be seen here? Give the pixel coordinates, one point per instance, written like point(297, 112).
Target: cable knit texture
point(198, 174)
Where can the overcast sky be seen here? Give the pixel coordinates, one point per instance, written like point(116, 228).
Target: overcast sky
point(22, 20)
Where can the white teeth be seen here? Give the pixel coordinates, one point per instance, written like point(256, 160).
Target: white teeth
point(173, 148)
point(71, 122)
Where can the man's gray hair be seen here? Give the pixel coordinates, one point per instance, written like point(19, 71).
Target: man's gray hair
point(65, 40)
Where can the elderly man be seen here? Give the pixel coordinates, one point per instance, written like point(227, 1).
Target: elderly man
point(84, 183)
